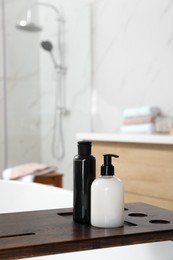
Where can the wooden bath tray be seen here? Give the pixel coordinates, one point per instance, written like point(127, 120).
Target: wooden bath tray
point(47, 232)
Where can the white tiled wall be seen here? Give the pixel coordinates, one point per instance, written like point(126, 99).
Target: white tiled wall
point(133, 58)
point(77, 82)
point(22, 88)
point(1, 96)
point(32, 83)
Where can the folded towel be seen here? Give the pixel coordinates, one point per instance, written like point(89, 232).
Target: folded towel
point(141, 111)
point(30, 169)
point(6, 175)
point(139, 120)
point(141, 128)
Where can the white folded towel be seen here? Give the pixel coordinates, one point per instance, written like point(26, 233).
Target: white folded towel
point(141, 111)
point(141, 129)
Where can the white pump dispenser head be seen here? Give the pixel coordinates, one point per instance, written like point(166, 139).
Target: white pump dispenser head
point(107, 197)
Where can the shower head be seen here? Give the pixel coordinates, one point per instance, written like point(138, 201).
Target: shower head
point(28, 26)
point(47, 45)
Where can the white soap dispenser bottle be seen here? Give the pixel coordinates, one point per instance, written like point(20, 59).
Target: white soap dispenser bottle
point(107, 197)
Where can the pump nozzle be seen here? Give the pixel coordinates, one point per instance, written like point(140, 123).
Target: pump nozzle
point(107, 169)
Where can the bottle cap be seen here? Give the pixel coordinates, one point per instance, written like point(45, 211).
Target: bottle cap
point(84, 147)
point(107, 169)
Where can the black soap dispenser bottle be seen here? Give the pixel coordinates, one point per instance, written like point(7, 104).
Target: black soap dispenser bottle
point(107, 197)
point(83, 176)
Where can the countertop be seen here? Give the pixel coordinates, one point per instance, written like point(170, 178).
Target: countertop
point(127, 138)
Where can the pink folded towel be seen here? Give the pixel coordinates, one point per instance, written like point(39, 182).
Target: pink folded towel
point(30, 168)
point(139, 120)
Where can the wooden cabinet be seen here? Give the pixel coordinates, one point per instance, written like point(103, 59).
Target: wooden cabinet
point(52, 178)
point(145, 169)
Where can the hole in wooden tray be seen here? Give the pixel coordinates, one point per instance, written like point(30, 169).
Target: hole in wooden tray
point(17, 235)
point(138, 215)
point(125, 209)
point(130, 224)
point(63, 214)
point(159, 221)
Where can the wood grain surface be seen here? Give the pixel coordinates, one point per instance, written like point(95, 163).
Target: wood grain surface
point(47, 232)
point(145, 169)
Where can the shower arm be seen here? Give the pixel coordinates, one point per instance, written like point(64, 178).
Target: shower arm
point(29, 11)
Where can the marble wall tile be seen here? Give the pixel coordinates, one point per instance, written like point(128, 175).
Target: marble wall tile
point(132, 66)
point(33, 84)
point(1, 95)
point(133, 58)
point(76, 87)
point(22, 88)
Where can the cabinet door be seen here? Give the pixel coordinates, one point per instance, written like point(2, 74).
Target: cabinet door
point(145, 169)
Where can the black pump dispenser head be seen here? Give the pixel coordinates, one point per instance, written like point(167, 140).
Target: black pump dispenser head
point(107, 169)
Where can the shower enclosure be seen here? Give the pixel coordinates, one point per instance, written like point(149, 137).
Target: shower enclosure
point(28, 25)
point(32, 100)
